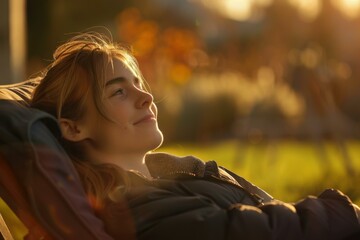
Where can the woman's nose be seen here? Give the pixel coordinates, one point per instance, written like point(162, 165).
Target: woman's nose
point(144, 100)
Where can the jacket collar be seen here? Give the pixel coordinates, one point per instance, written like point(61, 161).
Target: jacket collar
point(162, 165)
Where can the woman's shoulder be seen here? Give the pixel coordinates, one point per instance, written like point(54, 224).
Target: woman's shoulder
point(168, 166)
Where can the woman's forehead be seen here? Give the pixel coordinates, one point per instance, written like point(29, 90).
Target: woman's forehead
point(118, 69)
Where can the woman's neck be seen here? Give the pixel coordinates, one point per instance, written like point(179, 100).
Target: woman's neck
point(134, 164)
point(127, 162)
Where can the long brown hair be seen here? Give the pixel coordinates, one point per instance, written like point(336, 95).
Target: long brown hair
point(76, 73)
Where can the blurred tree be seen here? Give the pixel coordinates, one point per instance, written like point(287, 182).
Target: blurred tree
point(177, 41)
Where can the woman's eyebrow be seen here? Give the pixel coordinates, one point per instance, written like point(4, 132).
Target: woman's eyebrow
point(115, 81)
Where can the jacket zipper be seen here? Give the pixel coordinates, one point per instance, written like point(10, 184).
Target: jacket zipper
point(255, 197)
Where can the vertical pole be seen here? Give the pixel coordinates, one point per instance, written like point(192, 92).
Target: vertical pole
point(17, 39)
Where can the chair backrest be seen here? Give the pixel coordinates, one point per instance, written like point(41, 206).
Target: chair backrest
point(37, 179)
point(4, 230)
point(13, 194)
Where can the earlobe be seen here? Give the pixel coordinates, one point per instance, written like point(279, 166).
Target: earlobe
point(70, 130)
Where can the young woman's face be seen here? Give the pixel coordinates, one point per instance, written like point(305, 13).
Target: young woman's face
point(133, 128)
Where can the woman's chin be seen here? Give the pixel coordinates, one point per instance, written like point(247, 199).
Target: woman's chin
point(158, 140)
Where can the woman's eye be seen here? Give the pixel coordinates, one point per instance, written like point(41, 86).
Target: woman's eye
point(119, 91)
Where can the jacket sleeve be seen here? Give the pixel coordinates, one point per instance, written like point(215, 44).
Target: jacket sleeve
point(160, 214)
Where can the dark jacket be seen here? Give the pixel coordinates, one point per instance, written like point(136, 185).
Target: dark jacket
point(190, 199)
point(187, 199)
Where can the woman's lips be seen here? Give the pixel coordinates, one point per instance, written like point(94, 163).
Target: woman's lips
point(147, 118)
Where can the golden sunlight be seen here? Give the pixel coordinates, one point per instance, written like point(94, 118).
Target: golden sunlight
point(242, 10)
point(349, 8)
point(235, 9)
point(308, 9)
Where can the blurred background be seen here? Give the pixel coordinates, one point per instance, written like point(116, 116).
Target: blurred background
point(268, 88)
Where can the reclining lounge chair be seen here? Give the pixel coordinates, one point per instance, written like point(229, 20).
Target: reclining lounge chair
point(37, 179)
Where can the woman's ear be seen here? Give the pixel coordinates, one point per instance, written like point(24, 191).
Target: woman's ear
point(71, 131)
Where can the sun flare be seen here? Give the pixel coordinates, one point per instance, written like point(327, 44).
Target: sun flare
point(242, 10)
point(349, 8)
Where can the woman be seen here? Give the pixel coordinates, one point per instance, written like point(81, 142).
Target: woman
point(109, 125)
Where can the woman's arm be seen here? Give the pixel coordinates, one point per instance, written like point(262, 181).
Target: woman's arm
point(161, 214)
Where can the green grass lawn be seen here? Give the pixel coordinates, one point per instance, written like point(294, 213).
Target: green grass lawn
point(288, 170)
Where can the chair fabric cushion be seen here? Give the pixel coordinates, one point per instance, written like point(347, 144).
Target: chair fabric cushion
point(28, 140)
